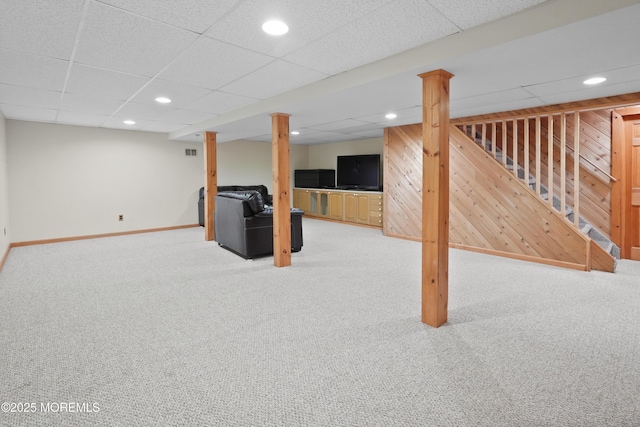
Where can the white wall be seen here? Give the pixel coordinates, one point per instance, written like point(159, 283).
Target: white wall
point(67, 181)
point(324, 156)
point(249, 162)
point(5, 239)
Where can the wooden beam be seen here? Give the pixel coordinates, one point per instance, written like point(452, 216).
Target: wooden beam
point(281, 190)
point(435, 196)
point(210, 184)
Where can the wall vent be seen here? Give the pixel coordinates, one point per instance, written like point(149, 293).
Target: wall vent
point(190, 152)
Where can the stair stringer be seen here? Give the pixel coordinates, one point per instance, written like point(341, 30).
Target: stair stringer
point(493, 211)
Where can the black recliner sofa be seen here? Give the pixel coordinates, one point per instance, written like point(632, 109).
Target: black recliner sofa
point(268, 199)
point(245, 226)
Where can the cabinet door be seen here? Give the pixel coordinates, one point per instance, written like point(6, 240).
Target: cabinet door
point(323, 203)
point(362, 208)
point(301, 200)
point(350, 207)
point(336, 205)
point(314, 203)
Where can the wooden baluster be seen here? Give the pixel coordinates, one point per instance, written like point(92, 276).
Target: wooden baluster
point(473, 132)
point(538, 152)
point(515, 147)
point(526, 150)
point(493, 139)
point(504, 142)
point(563, 163)
point(550, 159)
point(484, 136)
point(576, 168)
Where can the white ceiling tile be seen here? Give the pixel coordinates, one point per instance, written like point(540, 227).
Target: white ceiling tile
point(363, 41)
point(212, 64)
point(116, 40)
point(81, 119)
point(405, 116)
point(378, 133)
point(466, 14)
point(163, 126)
point(219, 102)
point(40, 26)
point(593, 92)
point(186, 117)
point(34, 71)
point(85, 104)
point(103, 84)
point(117, 122)
point(492, 98)
point(180, 94)
point(337, 125)
point(307, 21)
point(193, 15)
point(29, 97)
point(31, 114)
point(272, 79)
point(494, 108)
point(369, 127)
point(136, 111)
point(614, 77)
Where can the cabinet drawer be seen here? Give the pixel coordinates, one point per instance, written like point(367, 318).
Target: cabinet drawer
point(376, 221)
point(375, 214)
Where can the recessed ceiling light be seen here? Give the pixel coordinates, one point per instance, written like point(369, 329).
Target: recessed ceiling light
point(391, 116)
point(275, 28)
point(295, 132)
point(163, 100)
point(129, 122)
point(594, 80)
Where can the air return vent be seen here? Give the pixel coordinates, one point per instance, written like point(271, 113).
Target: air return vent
point(190, 152)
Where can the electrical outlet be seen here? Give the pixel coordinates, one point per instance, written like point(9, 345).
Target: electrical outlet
point(120, 217)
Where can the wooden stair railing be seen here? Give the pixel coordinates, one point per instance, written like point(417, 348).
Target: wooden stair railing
point(514, 141)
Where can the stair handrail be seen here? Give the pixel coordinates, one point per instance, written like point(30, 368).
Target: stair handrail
point(611, 177)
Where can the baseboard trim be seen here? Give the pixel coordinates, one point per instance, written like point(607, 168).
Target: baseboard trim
point(98, 236)
point(529, 258)
point(4, 257)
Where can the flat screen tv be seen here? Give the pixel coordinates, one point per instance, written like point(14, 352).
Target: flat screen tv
point(359, 172)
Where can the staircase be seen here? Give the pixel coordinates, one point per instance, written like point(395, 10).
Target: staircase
point(584, 226)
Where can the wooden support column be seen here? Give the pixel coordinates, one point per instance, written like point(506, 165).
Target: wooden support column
point(281, 190)
point(435, 196)
point(210, 184)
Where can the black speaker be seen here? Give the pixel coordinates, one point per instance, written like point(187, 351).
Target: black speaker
point(315, 178)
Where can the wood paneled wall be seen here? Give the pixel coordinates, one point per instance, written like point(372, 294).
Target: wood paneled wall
point(490, 210)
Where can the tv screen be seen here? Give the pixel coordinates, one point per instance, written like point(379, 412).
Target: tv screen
point(361, 171)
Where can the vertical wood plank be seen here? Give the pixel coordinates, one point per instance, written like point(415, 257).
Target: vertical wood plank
point(526, 150)
point(281, 188)
point(484, 136)
point(505, 144)
point(515, 147)
point(576, 168)
point(538, 153)
point(435, 196)
point(210, 184)
point(550, 160)
point(563, 163)
point(493, 139)
point(618, 161)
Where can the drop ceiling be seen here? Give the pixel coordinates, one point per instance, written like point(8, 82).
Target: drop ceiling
point(342, 66)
